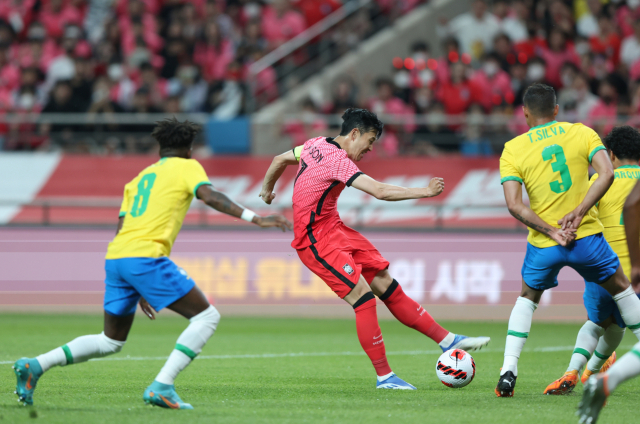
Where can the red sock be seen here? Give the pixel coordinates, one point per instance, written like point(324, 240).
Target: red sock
point(369, 333)
point(410, 313)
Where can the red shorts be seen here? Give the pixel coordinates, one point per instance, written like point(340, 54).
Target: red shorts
point(340, 257)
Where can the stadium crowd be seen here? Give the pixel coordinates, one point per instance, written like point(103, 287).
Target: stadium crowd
point(588, 50)
point(143, 56)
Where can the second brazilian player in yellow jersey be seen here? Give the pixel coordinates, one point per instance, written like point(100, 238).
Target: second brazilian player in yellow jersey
point(154, 205)
point(552, 161)
point(611, 205)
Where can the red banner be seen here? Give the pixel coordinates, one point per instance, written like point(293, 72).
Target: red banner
point(472, 197)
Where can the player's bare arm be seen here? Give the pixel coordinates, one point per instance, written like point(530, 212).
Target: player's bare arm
point(602, 164)
point(393, 193)
point(631, 214)
point(275, 171)
point(120, 224)
point(524, 214)
point(220, 202)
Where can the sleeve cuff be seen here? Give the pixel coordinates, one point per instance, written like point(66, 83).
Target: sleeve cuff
point(594, 151)
point(353, 178)
point(121, 214)
point(297, 151)
point(518, 179)
point(195, 190)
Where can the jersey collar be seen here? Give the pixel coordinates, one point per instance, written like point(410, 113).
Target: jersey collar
point(330, 141)
point(628, 167)
point(543, 125)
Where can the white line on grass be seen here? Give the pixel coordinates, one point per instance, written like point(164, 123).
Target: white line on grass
point(316, 354)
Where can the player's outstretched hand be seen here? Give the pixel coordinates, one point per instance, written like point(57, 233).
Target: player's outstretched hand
point(275, 221)
point(571, 220)
point(147, 309)
point(635, 279)
point(436, 186)
point(267, 196)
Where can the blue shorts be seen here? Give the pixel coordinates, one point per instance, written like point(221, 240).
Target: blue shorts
point(591, 257)
point(600, 305)
point(160, 281)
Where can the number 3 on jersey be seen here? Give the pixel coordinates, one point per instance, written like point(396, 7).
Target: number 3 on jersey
point(141, 200)
point(560, 165)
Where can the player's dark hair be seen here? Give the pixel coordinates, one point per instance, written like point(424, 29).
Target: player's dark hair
point(624, 142)
point(361, 119)
point(172, 134)
point(540, 99)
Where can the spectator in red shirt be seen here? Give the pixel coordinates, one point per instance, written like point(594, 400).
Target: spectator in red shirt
point(608, 41)
point(316, 10)
point(280, 24)
point(386, 103)
point(309, 125)
point(494, 84)
point(555, 55)
point(458, 93)
point(214, 53)
point(55, 15)
point(9, 72)
point(602, 117)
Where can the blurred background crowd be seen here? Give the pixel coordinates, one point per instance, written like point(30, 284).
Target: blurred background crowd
point(108, 57)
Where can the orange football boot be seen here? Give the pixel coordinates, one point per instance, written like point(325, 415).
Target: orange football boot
point(588, 373)
point(563, 385)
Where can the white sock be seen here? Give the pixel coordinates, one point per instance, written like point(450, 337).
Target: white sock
point(384, 377)
point(190, 344)
point(80, 350)
point(585, 344)
point(629, 306)
point(606, 346)
point(52, 358)
point(448, 339)
point(519, 327)
point(625, 368)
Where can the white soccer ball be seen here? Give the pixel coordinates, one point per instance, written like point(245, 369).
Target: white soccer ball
point(455, 368)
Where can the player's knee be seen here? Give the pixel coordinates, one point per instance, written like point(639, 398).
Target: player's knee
point(209, 318)
point(109, 345)
point(368, 296)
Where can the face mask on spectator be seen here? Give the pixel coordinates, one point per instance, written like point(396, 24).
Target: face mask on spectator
point(535, 72)
point(26, 101)
point(402, 79)
point(420, 57)
point(633, 3)
point(582, 47)
point(115, 72)
point(422, 101)
point(566, 80)
point(99, 95)
point(490, 68)
point(252, 10)
point(426, 76)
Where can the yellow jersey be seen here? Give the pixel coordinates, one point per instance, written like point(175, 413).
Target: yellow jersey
point(552, 160)
point(154, 206)
point(610, 211)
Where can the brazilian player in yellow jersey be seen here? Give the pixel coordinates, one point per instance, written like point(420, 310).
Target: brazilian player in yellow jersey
point(552, 161)
point(603, 332)
point(138, 268)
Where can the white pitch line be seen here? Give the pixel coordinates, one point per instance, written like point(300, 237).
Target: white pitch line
point(317, 354)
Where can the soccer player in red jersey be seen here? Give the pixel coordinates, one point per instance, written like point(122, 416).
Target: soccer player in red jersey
point(345, 260)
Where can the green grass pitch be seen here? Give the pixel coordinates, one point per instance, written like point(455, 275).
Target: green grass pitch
point(317, 373)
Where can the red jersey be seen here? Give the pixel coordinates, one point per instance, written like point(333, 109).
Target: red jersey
point(324, 171)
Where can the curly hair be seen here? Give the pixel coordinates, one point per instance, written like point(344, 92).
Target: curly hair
point(624, 142)
point(173, 134)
